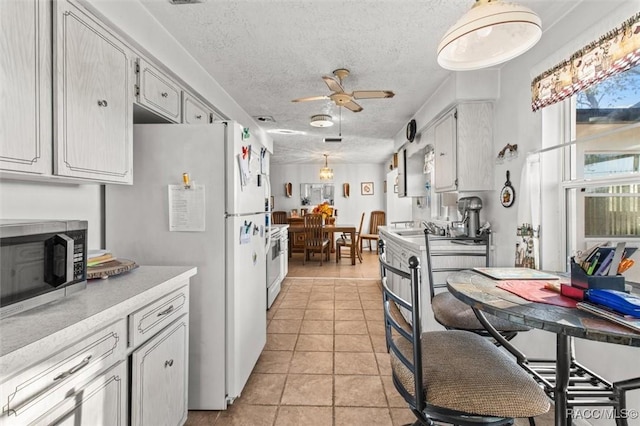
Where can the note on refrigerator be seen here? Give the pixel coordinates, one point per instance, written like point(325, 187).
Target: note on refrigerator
point(245, 172)
point(186, 208)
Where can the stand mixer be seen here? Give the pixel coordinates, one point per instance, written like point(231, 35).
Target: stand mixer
point(469, 208)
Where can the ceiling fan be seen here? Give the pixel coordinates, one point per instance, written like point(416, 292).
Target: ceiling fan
point(342, 98)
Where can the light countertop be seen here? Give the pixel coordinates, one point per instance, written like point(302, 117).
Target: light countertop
point(414, 238)
point(24, 336)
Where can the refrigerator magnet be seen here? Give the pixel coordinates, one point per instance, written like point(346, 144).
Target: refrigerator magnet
point(508, 194)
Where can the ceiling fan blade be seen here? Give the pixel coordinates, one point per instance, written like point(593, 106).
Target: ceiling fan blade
point(352, 106)
point(372, 94)
point(310, 98)
point(334, 86)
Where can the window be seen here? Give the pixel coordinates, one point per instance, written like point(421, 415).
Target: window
point(601, 178)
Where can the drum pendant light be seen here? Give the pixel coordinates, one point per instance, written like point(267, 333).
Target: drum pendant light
point(490, 33)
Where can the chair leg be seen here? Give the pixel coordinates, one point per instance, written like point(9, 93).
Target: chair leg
point(337, 252)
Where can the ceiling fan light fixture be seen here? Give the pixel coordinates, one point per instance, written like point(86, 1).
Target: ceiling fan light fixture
point(490, 33)
point(321, 120)
point(325, 172)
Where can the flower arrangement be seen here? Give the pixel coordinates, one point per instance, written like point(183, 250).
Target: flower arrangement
point(325, 209)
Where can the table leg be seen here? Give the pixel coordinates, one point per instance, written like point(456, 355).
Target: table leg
point(563, 369)
point(353, 247)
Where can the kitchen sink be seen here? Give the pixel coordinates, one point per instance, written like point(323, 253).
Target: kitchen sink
point(409, 232)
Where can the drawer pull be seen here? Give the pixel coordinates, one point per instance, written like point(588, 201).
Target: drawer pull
point(442, 154)
point(74, 369)
point(164, 94)
point(102, 102)
point(166, 311)
point(199, 117)
point(168, 363)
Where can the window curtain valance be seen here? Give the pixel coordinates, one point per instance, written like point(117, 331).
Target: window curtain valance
point(615, 52)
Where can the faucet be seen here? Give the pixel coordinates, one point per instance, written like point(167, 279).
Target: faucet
point(432, 228)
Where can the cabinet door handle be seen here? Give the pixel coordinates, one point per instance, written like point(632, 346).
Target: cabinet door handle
point(442, 154)
point(168, 363)
point(74, 369)
point(199, 117)
point(102, 102)
point(166, 311)
point(164, 94)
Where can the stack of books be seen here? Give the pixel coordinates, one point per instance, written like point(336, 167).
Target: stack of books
point(617, 306)
point(98, 257)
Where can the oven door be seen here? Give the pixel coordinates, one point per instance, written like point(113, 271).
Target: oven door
point(273, 271)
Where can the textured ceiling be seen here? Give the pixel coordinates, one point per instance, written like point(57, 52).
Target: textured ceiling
point(265, 53)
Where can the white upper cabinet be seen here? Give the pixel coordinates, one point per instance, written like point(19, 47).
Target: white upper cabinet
point(93, 115)
point(157, 91)
point(464, 149)
point(25, 73)
point(194, 111)
point(445, 153)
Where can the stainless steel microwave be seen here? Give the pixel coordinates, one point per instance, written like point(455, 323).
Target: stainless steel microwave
point(41, 261)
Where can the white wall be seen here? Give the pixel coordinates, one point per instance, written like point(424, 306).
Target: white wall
point(349, 209)
point(30, 200)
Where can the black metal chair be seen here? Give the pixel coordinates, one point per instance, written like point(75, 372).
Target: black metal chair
point(455, 377)
point(450, 312)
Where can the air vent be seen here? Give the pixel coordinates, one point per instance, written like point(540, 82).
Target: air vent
point(332, 139)
point(186, 1)
point(264, 118)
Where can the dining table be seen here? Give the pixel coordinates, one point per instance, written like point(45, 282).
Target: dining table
point(567, 382)
point(331, 230)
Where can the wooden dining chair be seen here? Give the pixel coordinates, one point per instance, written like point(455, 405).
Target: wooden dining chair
point(377, 219)
point(452, 377)
point(315, 240)
point(279, 217)
point(344, 241)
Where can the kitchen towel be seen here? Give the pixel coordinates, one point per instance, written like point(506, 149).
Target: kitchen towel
point(528, 216)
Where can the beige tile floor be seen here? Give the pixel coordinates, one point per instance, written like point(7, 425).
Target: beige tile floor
point(325, 361)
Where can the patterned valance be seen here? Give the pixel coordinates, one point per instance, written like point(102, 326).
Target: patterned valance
point(613, 53)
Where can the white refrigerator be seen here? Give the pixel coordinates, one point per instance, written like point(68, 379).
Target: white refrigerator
point(219, 225)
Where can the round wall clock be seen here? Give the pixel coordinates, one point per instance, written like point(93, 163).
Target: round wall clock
point(508, 194)
point(411, 130)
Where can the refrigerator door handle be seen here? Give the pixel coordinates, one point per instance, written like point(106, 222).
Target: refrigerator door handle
point(268, 230)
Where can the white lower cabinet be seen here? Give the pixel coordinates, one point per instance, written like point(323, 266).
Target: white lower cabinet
point(41, 387)
point(102, 402)
point(104, 377)
point(159, 377)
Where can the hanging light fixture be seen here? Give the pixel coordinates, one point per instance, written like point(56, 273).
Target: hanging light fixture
point(491, 33)
point(325, 172)
point(321, 120)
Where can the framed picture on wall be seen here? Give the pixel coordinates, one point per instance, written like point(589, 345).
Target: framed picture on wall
point(366, 188)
